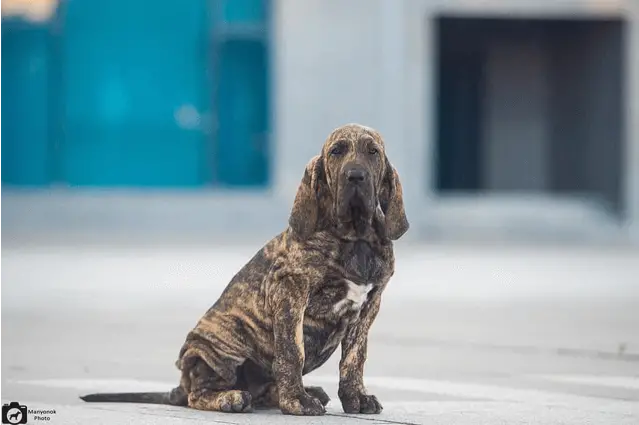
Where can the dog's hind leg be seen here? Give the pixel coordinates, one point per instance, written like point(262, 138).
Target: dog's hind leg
point(267, 397)
point(210, 392)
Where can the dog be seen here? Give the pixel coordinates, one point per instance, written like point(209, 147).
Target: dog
point(14, 416)
point(313, 287)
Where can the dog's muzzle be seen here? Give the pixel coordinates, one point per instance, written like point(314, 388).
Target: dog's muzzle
point(357, 193)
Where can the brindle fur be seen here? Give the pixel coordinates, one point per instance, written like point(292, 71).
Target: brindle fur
point(286, 311)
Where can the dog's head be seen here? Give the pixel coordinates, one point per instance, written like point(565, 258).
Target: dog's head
point(350, 185)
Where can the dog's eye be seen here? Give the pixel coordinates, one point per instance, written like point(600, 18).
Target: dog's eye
point(337, 150)
point(373, 151)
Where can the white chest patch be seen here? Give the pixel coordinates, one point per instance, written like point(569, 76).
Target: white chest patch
point(356, 296)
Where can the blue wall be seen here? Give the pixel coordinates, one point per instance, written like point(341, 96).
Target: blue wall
point(117, 93)
point(25, 125)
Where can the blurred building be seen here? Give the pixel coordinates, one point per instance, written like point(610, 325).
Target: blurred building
point(506, 119)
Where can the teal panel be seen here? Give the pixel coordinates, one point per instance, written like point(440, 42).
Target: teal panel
point(242, 110)
point(240, 11)
point(25, 141)
point(133, 82)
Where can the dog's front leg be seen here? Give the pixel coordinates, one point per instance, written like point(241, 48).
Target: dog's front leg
point(352, 392)
point(289, 304)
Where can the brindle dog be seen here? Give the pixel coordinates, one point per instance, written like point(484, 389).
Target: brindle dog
point(312, 287)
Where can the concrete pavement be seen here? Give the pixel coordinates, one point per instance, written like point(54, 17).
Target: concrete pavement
point(465, 335)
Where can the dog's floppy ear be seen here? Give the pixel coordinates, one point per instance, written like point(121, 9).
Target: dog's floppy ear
point(305, 212)
point(391, 201)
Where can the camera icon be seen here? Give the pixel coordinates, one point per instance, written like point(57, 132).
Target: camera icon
point(14, 413)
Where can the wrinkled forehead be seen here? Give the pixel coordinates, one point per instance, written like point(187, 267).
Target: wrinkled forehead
point(353, 133)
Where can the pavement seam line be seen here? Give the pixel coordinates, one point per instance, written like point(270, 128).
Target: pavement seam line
point(378, 420)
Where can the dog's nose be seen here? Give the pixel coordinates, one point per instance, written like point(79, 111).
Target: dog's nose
point(356, 175)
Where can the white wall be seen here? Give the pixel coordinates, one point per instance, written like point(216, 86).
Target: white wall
point(338, 62)
point(328, 60)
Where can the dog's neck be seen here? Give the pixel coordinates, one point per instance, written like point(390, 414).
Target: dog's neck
point(369, 229)
point(354, 230)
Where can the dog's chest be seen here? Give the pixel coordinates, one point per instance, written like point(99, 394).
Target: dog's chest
point(363, 269)
point(328, 317)
point(354, 297)
point(362, 263)
point(340, 300)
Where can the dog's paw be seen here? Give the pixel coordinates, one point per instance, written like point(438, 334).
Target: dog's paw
point(232, 401)
point(302, 405)
point(360, 403)
point(236, 402)
point(318, 393)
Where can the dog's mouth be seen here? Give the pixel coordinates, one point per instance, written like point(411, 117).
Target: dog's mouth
point(357, 211)
point(356, 206)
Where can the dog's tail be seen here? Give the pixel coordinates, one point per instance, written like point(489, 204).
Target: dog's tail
point(175, 397)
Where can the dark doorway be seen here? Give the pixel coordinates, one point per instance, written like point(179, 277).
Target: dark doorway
point(530, 105)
